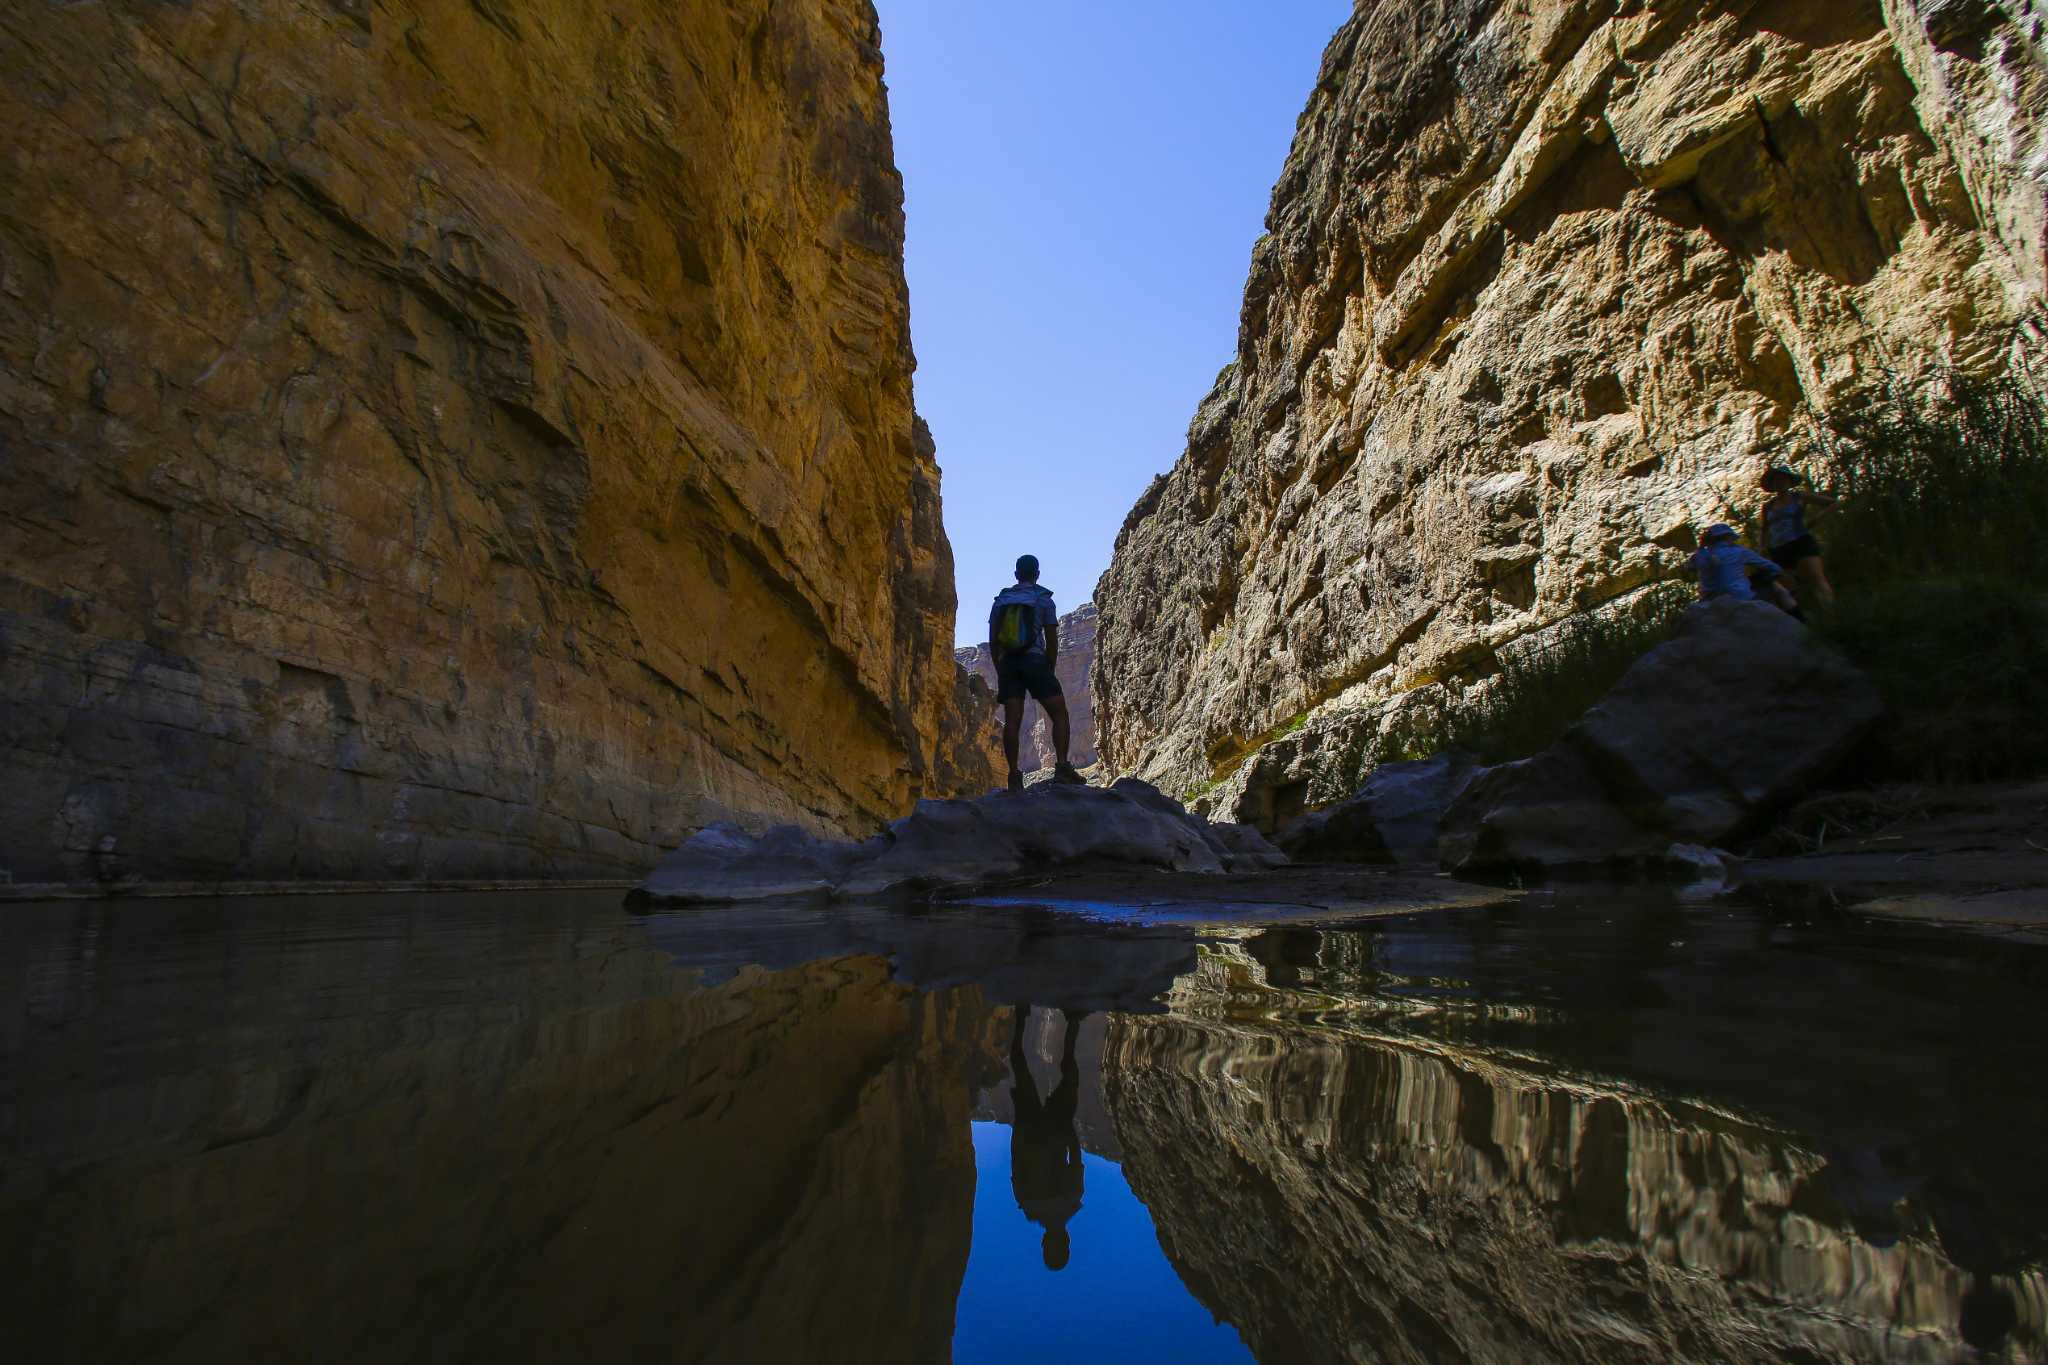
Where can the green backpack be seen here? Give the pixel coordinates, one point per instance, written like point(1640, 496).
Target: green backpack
point(1016, 627)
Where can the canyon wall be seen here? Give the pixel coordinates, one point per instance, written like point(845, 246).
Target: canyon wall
point(1544, 287)
point(969, 757)
point(453, 440)
point(1073, 668)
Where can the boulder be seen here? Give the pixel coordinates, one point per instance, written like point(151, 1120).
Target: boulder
point(1743, 712)
point(1545, 812)
point(1394, 818)
point(722, 862)
point(1704, 737)
point(962, 843)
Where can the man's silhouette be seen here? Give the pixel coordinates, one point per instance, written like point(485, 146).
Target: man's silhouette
point(1045, 1154)
point(1024, 642)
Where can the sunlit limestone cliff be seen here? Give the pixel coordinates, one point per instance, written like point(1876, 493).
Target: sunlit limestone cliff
point(1544, 286)
point(453, 439)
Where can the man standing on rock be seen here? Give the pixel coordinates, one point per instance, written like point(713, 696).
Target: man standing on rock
point(1024, 641)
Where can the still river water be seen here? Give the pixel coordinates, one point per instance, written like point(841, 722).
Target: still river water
point(539, 1127)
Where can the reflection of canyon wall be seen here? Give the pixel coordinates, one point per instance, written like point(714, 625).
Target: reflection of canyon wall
point(453, 440)
point(1075, 662)
point(1543, 285)
point(1359, 1199)
point(580, 1159)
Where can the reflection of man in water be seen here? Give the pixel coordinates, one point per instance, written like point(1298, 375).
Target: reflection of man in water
point(1045, 1155)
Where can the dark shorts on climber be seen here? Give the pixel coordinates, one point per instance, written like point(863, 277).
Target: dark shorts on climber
point(1017, 674)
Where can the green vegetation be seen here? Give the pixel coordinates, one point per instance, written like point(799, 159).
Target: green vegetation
point(1940, 554)
point(1950, 482)
point(1543, 687)
point(1963, 666)
point(1939, 551)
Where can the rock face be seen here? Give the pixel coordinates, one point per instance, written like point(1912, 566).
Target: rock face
point(454, 440)
point(969, 758)
point(961, 843)
point(1394, 818)
point(1741, 714)
point(1073, 667)
point(1543, 287)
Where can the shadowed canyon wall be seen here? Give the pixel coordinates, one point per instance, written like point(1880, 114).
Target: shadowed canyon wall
point(1543, 287)
point(1073, 668)
point(1467, 1204)
point(385, 1154)
point(453, 440)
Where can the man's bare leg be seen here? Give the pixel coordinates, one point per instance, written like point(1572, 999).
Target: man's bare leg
point(1062, 729)
point(1062, 733)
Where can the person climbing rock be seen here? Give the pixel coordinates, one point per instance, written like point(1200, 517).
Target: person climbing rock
point(1045, 1152)
point(1786, 538)
point(1723, 565)
point(1024, 641)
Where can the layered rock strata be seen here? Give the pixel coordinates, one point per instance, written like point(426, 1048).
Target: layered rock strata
point(1543, 287)
point(453, 440)
point(1073, 667)
point(969, 753)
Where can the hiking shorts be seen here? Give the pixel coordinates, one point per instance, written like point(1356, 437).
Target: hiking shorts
point(1017, 674)
point(1789, 554)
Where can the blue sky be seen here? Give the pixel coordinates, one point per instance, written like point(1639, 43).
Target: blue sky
point(1084, 184)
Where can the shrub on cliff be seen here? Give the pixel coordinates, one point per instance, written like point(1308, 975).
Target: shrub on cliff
point(1544, 686)
point(1963, 668)
point(1940, 553)
point(1946, 481)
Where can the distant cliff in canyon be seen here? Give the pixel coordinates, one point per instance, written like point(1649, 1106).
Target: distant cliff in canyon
point(1543, 288)
point(1076, 661)
point(454, 440)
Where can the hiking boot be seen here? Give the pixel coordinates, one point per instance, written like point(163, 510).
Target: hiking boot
point(1065, 775)
point(1016, 781)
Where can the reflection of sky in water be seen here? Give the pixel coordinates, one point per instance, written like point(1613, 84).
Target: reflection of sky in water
point(1117, 1300)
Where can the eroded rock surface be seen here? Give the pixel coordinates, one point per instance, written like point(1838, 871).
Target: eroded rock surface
point(969, 759)
point(454, 440)
point(1076, 661)
point(1543, 287)
point(1394, 818)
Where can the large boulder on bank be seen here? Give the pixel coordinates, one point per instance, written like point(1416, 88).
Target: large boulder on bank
point(964, 843)
point(1393, 818)
point(1705, 736)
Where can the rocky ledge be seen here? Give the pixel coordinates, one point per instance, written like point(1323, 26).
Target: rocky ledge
point(962, 843)
point(1706, 739)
